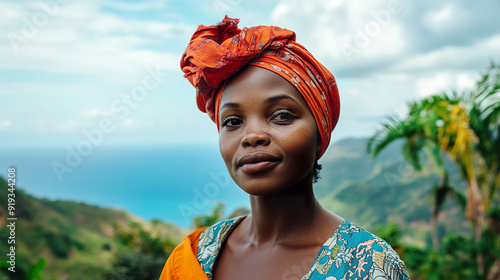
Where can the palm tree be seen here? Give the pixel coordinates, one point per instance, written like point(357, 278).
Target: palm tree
point(483, 105)
point(421, 129)
point(465, 126)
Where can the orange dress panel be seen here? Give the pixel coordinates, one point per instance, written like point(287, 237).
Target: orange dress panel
point(182, 264)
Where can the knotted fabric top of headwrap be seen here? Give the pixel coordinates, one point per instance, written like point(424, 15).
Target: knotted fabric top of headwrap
point(215, 53)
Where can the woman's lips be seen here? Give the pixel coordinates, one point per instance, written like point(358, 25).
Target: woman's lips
point(257, 162)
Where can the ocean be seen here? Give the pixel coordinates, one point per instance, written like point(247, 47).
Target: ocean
point(170, 183)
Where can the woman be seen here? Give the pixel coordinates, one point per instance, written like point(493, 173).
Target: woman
point(275, 107)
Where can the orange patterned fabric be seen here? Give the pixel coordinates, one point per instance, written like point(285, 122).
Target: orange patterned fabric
point(217, 52)
point(182, 264)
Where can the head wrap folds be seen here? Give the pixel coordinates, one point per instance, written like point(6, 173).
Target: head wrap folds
point(215, 53)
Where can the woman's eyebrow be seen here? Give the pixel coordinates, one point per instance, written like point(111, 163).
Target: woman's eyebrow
point(271, 99)
point(229, 105)
point(280, 97)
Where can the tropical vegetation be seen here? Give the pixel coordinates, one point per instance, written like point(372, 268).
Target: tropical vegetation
point(464, 126)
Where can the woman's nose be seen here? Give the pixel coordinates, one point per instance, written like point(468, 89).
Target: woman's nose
point(255, 136)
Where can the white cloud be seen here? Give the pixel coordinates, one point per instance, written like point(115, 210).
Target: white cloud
point(439, 18)
point(128, 122)
point(466, 80)
point(346, 35)
point(67, 126)
point(280, 11)
point(96, 112)
point(43, 89)
point(444, 81)
point(359, 37)
point(453, 57)
point(10, 12)
point(4, 124)
point(81, 38)
point(333, 4)
point(433, 85)
point(139, 6)
point(105, 24)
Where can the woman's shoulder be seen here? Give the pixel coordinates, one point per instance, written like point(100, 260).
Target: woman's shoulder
point(360, 253)
point(356, 236)
point(211, 241)
point(220, 229)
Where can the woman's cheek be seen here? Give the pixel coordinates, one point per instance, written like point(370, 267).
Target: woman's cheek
point(227, 148)
point(302, 145)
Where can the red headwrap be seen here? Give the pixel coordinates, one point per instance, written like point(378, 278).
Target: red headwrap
point(217, 52)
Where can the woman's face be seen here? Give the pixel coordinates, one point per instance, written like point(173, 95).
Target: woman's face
point(268, 136)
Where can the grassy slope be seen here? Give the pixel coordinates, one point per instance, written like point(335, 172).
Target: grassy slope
point(74, 238)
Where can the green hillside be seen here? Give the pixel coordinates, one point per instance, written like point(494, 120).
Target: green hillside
point(371, 192)
point(74, 239)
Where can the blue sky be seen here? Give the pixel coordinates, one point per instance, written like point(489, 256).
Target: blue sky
point(70, 68)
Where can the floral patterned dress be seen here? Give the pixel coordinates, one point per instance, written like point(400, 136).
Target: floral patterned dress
point(350, 253)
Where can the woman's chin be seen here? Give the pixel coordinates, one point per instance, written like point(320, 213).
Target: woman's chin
point(262, 188)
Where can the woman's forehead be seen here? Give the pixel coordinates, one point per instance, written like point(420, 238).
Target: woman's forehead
point(255, 82)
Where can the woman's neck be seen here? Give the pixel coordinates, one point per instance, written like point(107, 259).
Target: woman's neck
point(287, 217)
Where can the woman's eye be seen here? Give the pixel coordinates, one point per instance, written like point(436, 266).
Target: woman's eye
point(284, 117)
point(231, 122)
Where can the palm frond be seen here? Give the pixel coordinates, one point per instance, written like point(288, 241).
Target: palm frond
point(391, 130)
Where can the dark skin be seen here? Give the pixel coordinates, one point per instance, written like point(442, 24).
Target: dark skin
point(269, 141)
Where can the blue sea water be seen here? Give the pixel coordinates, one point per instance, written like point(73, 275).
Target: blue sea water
point(170, 183)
